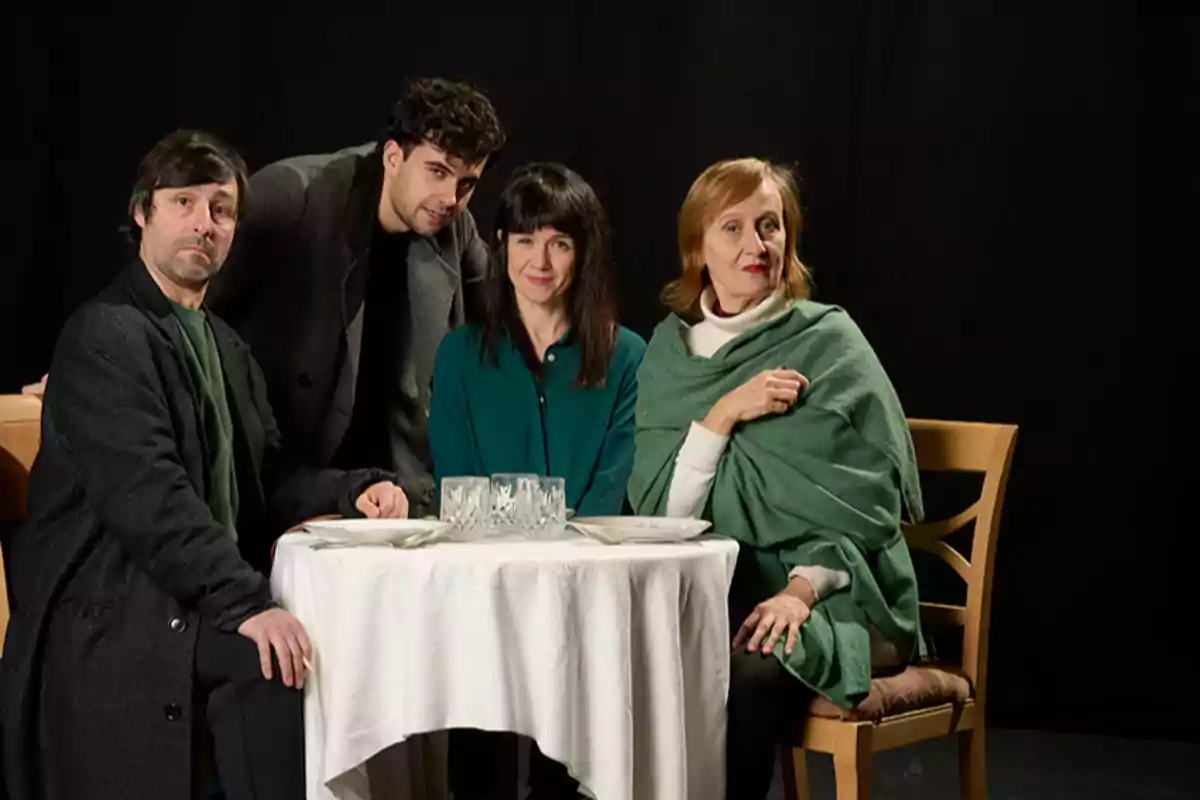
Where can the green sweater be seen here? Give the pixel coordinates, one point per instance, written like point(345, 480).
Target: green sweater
point(824, 484)
point(486, 419)
point(204, 364)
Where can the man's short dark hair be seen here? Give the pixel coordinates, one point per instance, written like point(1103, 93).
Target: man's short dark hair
point(453, 116)
point(183, 158)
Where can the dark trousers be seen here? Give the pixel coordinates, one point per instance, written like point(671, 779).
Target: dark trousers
point(483, 765)
point(255, 727)
point(765, 708)
point(766, 703)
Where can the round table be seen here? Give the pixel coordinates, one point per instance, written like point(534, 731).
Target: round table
point(615, 659)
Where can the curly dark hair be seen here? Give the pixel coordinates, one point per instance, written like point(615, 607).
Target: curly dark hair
point(547, 195)
point(183, 158)
point(451, 115)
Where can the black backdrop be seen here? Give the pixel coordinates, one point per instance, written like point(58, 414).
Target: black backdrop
point(1005, 199)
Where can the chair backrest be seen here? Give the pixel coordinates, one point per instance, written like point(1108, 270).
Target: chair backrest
point(946, 446)
point(20, 437)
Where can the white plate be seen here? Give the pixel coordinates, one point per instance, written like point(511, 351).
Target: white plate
point(615, 530)
point(375, 531)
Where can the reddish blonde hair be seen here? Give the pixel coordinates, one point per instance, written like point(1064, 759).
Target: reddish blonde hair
point(722, 185)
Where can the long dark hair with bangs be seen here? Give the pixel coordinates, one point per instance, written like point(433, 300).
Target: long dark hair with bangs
point(545, 195)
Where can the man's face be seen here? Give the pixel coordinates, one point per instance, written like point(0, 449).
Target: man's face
point(426, 190)
point(186, 236)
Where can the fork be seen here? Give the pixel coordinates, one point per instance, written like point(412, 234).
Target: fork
point(416, 540)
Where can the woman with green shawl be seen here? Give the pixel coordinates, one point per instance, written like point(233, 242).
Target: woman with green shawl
point(770, 415)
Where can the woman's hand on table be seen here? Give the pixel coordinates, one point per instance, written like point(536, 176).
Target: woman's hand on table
point(771, 620)
point(383, 500)
point(771, 391)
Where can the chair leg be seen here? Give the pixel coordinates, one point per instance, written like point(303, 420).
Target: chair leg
point(972, 775)
point(795, 774)
point(852, 762)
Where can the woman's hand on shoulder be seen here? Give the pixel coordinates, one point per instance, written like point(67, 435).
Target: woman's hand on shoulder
point(771, 391)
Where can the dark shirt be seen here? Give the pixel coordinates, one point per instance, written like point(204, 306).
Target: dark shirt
point(378, 393)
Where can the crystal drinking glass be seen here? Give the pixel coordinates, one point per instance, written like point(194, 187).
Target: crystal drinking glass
point(514, 503)
point(551, 507)
point(466, 505)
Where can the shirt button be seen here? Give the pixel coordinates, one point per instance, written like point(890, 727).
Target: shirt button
point(179, 625)
point(173, 712)
point(550, 357)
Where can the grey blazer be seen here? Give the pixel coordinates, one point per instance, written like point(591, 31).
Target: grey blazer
point(285, 289)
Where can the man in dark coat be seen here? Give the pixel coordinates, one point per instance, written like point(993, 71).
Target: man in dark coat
point(143, 634)
point(348, 270)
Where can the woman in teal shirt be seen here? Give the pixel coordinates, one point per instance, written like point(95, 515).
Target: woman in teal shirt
point(547, 383)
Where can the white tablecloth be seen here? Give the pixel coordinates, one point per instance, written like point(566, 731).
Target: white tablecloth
point(615, 659)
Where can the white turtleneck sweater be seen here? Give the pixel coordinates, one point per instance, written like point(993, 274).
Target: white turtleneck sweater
point(696, 464)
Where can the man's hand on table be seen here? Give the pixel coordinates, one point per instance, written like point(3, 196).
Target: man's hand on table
point(383, 500)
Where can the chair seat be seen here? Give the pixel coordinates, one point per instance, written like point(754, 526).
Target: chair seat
point(917, 687)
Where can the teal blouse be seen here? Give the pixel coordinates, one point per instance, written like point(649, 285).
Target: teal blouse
point(486, 419)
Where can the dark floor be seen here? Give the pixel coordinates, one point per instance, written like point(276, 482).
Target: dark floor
point(1030, 765)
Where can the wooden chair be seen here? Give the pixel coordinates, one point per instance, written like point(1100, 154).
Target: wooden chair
point(926, 701)
point(20, 437)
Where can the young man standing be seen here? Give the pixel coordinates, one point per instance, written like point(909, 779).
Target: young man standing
point(143, 634)
point(349, 269)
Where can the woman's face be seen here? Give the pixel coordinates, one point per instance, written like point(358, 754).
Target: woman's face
point(541, 265)
point(743, 249)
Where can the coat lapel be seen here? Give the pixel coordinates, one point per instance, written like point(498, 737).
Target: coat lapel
point(155, 305)
point(361, 210)
point(432, 285)
point(247, 419)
